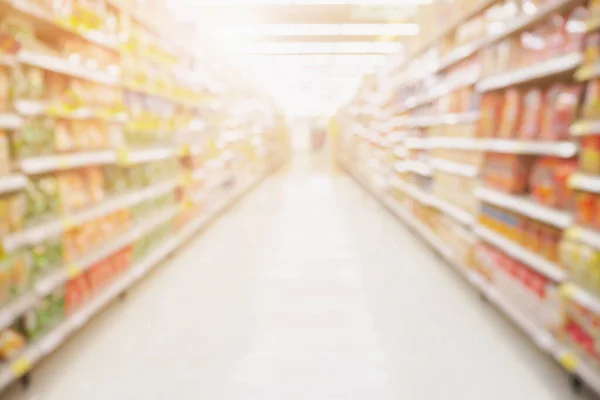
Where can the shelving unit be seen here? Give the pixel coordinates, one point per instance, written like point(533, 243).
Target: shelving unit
point(509, 132)
point(117, 147)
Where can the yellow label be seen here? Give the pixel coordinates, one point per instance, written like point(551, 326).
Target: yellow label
point(567, 290)
point(123, 156)
point(55, 110)
point(73, 271)
point(64, 162)
point(2, 251)
point(21, 366)
point(569, 362)
point(575, 180)
point(187, 178)
point(69, 222)
point(575, 233)
point(186, 150)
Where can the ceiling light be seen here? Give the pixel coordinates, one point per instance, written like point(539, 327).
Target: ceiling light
point(315, 29)
point(320, 48)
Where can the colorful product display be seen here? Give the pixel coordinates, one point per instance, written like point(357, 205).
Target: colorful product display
point(107, 128)
point(501, 101)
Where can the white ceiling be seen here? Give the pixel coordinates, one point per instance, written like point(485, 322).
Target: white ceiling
point(310, 68)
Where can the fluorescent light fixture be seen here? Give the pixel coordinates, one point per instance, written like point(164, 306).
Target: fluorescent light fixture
point(316, 29)
point(320, 48)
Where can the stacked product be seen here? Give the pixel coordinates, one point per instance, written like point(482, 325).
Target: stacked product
point(106, 146)
point(502, 105)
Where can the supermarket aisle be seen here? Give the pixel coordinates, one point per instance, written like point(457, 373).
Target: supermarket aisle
point(306, 290)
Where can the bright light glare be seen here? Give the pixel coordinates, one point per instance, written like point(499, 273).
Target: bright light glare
point(316, 29)
point(320, 48)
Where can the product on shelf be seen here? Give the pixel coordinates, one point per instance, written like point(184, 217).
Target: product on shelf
point(47, 313)
point(11, 343)
point(534, 294)
point(548, 182)
point(534, 235)
point(580, 331)
point(507, 172)
point(14, 276)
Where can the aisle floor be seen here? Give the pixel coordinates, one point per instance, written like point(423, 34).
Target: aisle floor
point(305, 290)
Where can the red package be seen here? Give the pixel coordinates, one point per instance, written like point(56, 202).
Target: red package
point(511, 114)
point(533, 103)
point(561, 107)
point(491, 109)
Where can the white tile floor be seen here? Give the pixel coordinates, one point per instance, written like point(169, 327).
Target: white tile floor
point(307, 290)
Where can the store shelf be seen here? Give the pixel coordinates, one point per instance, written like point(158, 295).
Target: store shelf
point(560, 149)
point(451, 167)
point(460, 53)
point(418, 167)
point(458, 143)
point(12, 183)
point(39, 165)
point(585, 182)
point(544, 69)
point(436, 92)
point(444, 119)
point(453, 211)
point(417, 143)
point(446, 208)
point(585, 235)
point(582, 296)
point(525, 206)
point(128, 157)
point(540, 336)
point(35, 351)
point(60, 275)
point(587, 72)
point(59, 224)
point(516, 251)
point(42, 16)
point(10, 121)
point(412, 191)
point(400, 152)
point(527, 21)
point(66, 67)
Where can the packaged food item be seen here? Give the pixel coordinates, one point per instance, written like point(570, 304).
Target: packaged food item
point(561, 106)
point(46, 256)
point(73, 193)
point(491, 109)
point(589, 158)
point(549, 181)
point(534, 103)
point(585, 208)
point(47, 313)
point(591, 52)
point(41, 198)
point(77, 292)
point(590, 108)
point(12, 212)
point(511, 115)
point(5, 95)
point(35, 138)
point(11, 343)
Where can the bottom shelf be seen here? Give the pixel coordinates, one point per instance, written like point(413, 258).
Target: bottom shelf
point(35, 351)
point(544, 340)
